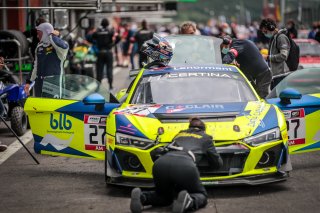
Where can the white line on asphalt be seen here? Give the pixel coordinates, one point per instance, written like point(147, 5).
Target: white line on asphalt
point(15, 146)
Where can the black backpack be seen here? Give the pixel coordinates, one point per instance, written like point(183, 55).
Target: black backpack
point(294, 54)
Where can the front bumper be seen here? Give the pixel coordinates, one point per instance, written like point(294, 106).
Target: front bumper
point(250, 180)
point(242, 166)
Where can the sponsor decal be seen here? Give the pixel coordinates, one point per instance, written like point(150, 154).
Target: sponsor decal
point(139, 110)
point(296, 126)
point(297, 141)
point(203, 68)
point(57, 143)
point(93, 119)
point(59, 123)
point(198, 74)
point(195, 106)
point(94, 132)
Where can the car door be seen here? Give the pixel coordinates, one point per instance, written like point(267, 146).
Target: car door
point(71, 116)
point(300, 103)
point(303, 123)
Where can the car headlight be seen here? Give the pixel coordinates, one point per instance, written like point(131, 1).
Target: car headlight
point(264, 137)
point(129, 140)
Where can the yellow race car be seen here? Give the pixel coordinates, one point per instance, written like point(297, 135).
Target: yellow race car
point(78, 118)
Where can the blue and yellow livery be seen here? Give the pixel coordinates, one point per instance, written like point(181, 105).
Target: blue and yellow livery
point(250, 134)
point(298, 96)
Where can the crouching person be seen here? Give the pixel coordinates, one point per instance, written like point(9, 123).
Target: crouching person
point(176, 172)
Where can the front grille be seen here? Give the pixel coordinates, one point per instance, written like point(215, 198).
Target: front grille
point(233, 163)
point(270, 157)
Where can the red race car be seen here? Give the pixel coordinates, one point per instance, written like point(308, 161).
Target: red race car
point(309, 53)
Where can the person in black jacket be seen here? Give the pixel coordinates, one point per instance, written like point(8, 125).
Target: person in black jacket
point(104, 37)
point(246, 55)
point(140, 37)
point(170, 170)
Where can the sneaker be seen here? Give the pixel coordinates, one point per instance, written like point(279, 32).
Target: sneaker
point(183, 202)
point(136, 205)
point(3, 148)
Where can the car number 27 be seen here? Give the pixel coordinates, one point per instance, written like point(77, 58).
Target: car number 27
point(95, 132)
point(296, 126)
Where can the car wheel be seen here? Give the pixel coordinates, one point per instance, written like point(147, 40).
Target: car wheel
point(19, 120)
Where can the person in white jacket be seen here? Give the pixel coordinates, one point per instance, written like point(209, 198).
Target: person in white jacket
point(49, 58)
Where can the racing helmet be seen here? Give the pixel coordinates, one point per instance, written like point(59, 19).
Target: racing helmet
point(157, 49)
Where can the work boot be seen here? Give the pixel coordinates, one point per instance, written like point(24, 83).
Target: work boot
point(136, 205)
point(183, 202)
point(3, 148)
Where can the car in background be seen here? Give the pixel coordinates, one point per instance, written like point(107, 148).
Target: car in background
point(298, 96)
point(309, 53)
point(250, 134)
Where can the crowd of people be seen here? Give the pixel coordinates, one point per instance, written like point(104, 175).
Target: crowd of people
point(128, 39)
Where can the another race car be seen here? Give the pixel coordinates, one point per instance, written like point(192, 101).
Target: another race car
point(298, 96)
point(309, 53)
point(250, 134)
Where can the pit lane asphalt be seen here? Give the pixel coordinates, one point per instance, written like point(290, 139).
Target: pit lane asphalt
point(61, 184)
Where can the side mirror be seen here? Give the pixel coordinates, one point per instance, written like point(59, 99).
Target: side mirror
point(287, 94)
point(95, 99)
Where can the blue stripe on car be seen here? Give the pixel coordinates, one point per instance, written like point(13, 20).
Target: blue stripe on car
point(126, 127)
point(312, 146)
point(269, 121)
point(192, 68)
point(78, 109)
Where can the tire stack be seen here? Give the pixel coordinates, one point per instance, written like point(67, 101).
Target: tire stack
point(10, 50)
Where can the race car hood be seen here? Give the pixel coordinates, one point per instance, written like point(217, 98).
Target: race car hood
point(228, 121)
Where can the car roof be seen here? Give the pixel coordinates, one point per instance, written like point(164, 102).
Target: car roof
point(191, 68)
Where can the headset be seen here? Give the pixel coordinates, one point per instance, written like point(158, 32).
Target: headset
point(270, 26)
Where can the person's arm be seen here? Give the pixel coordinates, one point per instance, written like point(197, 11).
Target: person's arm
point(230, 57)
point(213, 157)
point(60, 46)
point(283, 44)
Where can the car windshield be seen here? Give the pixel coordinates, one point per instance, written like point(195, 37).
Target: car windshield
point(193, 88)
point(306, 48)
point(72, 87)
point(191, 49)
point(306, 81)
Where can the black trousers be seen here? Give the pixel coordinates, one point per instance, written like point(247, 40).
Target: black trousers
point(172, 174)
point(105, 57)
point(38, 87)
point(263, 81)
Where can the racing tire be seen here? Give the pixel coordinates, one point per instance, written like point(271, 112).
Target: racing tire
point(19, 120)
point(10, 50)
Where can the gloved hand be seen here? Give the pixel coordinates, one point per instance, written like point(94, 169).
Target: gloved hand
point(27, 89)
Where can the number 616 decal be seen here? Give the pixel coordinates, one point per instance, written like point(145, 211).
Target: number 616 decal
point(94, 132)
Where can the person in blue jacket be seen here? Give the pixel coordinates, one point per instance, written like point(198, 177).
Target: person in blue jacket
point(49, 58)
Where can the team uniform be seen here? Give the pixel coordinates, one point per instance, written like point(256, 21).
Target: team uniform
point(251, 63)
point(190, 147)
point(49, 61)
point(103, 37)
